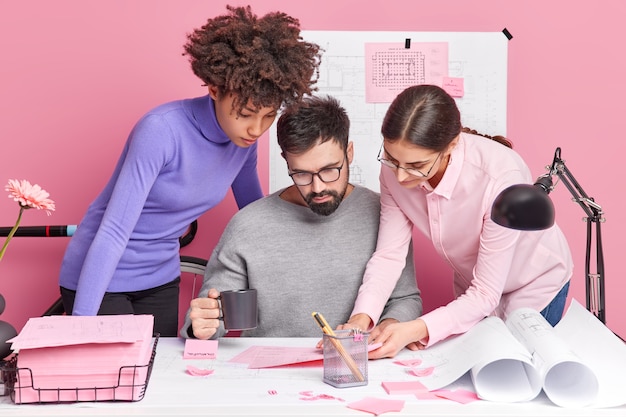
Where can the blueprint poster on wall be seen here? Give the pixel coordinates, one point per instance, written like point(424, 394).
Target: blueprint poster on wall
point(365, 70)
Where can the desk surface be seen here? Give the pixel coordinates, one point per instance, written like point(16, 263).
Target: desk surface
point(235, 390)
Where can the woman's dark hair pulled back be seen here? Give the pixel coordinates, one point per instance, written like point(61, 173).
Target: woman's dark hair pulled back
point(424, 115)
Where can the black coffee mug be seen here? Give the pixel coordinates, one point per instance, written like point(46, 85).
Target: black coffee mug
point(238, 309)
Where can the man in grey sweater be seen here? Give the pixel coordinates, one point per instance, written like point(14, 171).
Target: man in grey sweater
point(303, 248)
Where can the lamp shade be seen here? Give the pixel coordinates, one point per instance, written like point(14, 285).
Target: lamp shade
point(523, 207)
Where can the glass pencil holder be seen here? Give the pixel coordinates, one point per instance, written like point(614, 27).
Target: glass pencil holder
point(345, 358)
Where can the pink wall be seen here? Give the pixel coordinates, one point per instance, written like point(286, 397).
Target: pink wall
point(75, 75)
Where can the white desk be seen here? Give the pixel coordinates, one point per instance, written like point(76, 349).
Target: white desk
point(235, 390)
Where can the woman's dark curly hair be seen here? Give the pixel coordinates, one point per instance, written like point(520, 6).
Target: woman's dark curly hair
point(263, 61)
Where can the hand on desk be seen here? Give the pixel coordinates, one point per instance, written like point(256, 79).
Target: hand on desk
point(204, 315)
point(395, 336)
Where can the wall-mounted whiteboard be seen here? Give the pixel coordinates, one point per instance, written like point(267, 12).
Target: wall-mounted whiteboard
point(478, 58)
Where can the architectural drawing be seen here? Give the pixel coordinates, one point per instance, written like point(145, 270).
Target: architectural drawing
point(480, 58)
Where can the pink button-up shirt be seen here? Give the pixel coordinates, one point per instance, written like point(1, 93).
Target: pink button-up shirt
point(496, 270)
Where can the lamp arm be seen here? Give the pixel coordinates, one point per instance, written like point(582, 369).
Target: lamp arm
point(592, 209)
point(594, 282)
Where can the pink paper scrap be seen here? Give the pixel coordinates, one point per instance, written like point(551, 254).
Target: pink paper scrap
point(377, 406)
point(310, 396)
point(409, 362)
point(421, 372)
point(194, 371)
point(462, 396)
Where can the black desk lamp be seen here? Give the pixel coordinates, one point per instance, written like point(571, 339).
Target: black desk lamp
point(528, 207)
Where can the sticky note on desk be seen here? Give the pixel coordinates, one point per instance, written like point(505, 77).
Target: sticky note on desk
point(200, 349)
point(404, 387)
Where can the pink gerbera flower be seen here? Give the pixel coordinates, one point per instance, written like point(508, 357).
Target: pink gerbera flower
point(27, 196)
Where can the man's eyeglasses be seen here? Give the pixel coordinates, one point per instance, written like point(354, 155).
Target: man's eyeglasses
point(326, 175)
point(413, 171)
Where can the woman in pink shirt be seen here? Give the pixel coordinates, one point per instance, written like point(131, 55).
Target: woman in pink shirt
point(441, 179)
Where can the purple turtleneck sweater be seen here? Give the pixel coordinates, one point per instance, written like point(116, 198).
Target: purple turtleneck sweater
point(177, 164)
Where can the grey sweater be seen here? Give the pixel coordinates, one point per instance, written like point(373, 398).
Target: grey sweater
point(301, 262)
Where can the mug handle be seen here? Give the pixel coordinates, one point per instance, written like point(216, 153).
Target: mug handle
point(219, 306)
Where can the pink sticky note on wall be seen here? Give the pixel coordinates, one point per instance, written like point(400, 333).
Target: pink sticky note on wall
point(200, 349)
point(453, 86)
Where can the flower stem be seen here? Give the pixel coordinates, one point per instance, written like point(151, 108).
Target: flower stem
point(12, 232)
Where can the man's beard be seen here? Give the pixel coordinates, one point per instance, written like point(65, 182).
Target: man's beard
point(327, 208)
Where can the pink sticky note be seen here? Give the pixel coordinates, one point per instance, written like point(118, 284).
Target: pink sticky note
point(462, 396)
point(404, 387)
point(409, 362)
point(377, 406)
point(453, 86)
point(421, 371)
point(426, 395)
point(200, 349)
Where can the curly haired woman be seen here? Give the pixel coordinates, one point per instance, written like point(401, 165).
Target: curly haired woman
point(180, 160)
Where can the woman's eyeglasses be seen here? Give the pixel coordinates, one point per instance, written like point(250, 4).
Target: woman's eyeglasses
point(413, 171)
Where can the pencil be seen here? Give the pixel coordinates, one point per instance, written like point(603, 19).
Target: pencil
point(321, 321)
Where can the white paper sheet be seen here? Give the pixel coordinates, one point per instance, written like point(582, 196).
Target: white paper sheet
point(578, 363)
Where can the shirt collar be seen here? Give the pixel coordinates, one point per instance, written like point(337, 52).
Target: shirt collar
point(203, 110)
point(453, 171)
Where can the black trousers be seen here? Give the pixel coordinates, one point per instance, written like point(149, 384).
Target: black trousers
point(161, 302)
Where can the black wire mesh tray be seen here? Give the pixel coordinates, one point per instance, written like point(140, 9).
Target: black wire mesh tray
point(132, 382)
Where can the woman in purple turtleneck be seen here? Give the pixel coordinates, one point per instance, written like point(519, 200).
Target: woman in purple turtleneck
point(180, 160)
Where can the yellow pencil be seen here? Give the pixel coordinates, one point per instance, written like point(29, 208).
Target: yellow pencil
point(321, 321)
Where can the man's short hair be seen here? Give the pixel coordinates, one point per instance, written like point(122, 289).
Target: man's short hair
point(315, 120)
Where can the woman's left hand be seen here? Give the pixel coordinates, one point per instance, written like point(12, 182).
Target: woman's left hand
point(396, 336)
